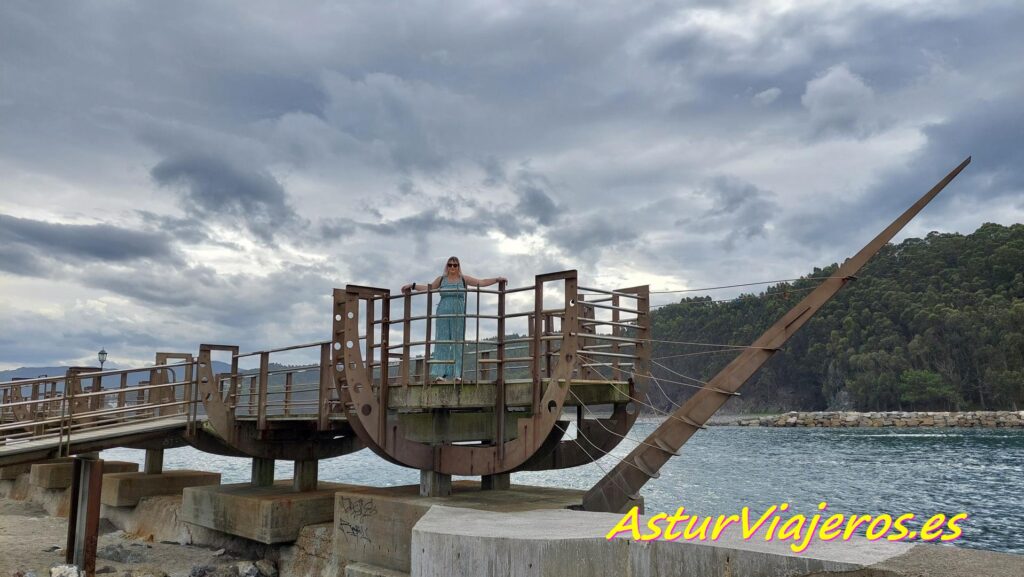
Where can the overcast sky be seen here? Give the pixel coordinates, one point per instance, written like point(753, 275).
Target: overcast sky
point(174, 173)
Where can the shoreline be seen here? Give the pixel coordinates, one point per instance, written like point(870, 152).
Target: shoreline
point(877, 419)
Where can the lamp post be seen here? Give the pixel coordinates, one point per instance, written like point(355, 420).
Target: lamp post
point(102, 356)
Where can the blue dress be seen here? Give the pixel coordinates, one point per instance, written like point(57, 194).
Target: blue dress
point(449, 328)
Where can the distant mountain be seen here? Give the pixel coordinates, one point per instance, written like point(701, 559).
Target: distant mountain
point(133, 378)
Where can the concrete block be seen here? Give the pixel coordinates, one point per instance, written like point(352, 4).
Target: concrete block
point(273, 514)
point(125, 489)
point(453, 542)
point(364, 570)
point(373, 525)
point(12, 472)
point(57, 475)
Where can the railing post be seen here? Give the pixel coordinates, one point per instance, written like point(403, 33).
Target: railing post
point(261, 408)
point(616, 332)
point(383, 391)
point(123, 388)
point(425, 373)
point(499, 394)
point(288, 390)
point(536, 329)
point(406, 329)
point(324, 394)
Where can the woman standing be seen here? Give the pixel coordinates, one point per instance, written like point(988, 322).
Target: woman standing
point(450, 323)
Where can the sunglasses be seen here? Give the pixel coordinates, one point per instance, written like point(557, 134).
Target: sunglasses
point(453, 264)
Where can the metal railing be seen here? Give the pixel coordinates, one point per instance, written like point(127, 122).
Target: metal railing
point(62, 407)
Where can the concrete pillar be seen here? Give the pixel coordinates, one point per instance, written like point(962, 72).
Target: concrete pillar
point(262, 472)
point(434, 484)
point(498, 482)
point(154, 462)
point(304, 478)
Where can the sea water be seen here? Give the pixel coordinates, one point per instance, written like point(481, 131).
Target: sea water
point(723, 469)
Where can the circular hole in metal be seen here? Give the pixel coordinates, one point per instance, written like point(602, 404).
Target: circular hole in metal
point(203, 365)
point(206, 380)
point(349, 344)
point(337, 317)
point(337, 346)
point(572, 302)
point(631, 408)
point(340, 367)
point(351, 314)
point(552, 406)
point(366, 410)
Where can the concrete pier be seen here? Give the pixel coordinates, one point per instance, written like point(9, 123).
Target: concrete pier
point(456, 542)
point(373, 526)
point(434, 484)
point(267, 514)
point(57, 474)
point(126, 489)
point(262, 472)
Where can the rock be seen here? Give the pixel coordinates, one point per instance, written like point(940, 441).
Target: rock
point(218, 553)
point(51, 549)
point(202, 571)
point(267, 568)
point(65, 571)
point(120, 554)
point(105, 569)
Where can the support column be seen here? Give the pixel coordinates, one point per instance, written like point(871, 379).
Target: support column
point(84, 514)
point(497, 482)
point(434, 484)
point(305, 477)
point(154, 462)
point(262, 472)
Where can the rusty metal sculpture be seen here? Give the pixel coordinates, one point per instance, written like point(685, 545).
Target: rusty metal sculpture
point(523, 434)
point(619, 489)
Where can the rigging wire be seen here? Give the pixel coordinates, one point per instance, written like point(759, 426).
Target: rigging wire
point(763, 295)
point(742, 285)
point(598, 420)
point(628, 396)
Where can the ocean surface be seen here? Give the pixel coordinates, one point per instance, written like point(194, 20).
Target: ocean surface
point(723, 469)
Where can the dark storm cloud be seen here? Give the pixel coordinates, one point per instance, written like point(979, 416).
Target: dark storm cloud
point(739, 212)
point(535, 203)
point(214, 188)
point(28, 243)
point(333, 130)
point(990, 132)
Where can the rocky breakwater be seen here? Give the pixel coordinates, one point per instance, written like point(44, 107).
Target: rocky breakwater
point(987, 419)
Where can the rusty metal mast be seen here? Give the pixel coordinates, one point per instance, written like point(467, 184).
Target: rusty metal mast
point(620, 487)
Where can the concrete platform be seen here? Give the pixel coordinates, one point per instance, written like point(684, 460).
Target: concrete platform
point(12, 472)
point(373, 525)
point(126, 489)
point(271, 514)
point(57, 474)
point(455, 542)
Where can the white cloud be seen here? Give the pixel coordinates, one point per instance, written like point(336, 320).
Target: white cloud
point(839, 101)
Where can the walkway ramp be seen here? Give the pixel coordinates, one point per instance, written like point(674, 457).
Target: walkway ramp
point(15, 451)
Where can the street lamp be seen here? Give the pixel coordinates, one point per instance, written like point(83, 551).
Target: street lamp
point(102, 356)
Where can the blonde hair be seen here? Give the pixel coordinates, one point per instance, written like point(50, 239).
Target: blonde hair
point(444, 273)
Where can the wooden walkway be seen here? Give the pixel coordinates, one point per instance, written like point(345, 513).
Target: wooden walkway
point(13, 452)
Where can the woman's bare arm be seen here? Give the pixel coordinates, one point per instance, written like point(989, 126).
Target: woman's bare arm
point(473, 281)
point(436, 284)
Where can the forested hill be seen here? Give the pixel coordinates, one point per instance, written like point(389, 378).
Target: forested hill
point(934, 323)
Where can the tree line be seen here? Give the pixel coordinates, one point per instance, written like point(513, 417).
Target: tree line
point(934, 323)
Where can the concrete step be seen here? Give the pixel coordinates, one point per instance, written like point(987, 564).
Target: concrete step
point(365, 570)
